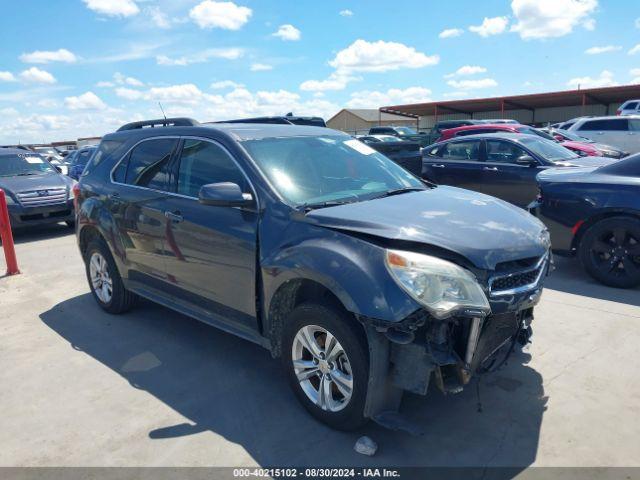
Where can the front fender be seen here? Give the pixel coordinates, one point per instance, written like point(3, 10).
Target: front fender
point(352, 269)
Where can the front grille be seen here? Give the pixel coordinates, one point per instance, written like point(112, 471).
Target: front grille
point(523, 279)
point(39, 198)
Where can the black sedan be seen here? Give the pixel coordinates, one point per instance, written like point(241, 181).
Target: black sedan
point(595, 213)
point(503, 165)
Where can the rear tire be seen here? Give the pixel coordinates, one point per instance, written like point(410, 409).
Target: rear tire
point(105, 280)
point(610, 252)
point(342, 366)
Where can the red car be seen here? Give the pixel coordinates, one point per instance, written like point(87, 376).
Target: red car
point(583, 149)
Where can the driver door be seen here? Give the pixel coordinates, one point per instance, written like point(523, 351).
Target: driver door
point(504, 177)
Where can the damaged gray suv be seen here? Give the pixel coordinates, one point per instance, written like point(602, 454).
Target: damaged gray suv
point(363, 279)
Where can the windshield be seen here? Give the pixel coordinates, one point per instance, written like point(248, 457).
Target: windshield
point(548, 150)
point(24, 164)
point(534, 131)
point(405, 130)
point(312, 170)
point(572, 136)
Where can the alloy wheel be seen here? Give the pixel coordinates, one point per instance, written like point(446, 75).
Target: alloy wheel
point(616, 253)
point(322, 368)
point(100, 278)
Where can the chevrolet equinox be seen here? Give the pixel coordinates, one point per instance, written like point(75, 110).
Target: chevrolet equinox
point(363, 279)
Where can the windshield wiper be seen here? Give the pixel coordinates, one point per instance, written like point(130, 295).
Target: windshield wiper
point(329, 203)
point(398, 191)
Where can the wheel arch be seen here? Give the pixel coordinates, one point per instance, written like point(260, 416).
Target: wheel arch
point(603, 215)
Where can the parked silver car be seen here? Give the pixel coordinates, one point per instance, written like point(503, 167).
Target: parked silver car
point(621, 132)
point(630, 107)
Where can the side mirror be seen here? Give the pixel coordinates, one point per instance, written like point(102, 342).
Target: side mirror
point(527, 160)
point(224, 194)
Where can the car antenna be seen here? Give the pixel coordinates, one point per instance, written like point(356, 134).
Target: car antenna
point(162, 110)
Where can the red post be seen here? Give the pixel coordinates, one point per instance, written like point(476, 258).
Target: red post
point(7, 236)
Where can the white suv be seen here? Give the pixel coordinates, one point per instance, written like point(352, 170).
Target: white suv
point(630, 107)
point(621, 132)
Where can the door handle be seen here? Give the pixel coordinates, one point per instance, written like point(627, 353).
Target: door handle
point(490, 169)
point(437, 165)
point(175, 217)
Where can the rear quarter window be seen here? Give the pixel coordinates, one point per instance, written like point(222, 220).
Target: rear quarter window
point(105, 150)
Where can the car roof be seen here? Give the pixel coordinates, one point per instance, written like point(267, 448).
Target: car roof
point(238, 131)
point(607, 117)
point(479, 126)
point(505, 135)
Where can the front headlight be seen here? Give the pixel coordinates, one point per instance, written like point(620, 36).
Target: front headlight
point(441, 286)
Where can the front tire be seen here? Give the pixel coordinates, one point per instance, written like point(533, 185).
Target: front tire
point(325, 357)
point(610, 252)
point(105, 280)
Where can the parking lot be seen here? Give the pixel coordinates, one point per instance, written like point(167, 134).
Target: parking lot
point(154, 388)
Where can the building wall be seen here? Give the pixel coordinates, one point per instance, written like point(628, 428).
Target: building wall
point(354, 125)
point(540, 115)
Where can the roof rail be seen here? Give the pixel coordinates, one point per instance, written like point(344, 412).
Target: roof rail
point(161, 122)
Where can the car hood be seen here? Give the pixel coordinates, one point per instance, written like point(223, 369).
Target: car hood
point(34, 182)
point(483, 229)
point(586, 162)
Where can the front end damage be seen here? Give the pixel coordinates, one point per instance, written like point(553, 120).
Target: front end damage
point(409, 355)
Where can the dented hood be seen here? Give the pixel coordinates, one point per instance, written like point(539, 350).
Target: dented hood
point(483, 229)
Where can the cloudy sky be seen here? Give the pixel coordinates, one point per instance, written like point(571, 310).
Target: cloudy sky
point(76, 68)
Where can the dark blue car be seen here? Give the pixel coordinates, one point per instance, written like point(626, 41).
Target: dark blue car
point(363, 279)
point(595, 213)
point(79, 160)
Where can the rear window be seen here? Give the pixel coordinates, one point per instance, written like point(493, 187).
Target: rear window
point(613, 124)
point(630, 106)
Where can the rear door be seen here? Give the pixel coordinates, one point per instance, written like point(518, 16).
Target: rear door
point(456, 163)
point(212, 251)
point(137, 201)
point(504, 177)
point(612, 131)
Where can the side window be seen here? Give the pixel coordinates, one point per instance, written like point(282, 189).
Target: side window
point(631, 106)
point(503, 152)
point(148, 163)
point(106, 149)
point(461, 150)
point(618, 125)
point(203, 162)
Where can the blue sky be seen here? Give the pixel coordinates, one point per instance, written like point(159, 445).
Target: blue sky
point(78, 68)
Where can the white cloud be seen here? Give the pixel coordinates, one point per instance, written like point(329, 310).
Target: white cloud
point(393, 96)
point(451, 33)
point(472, 84)
point(61, 55)
point(551, 18)
point(334, 82)
point(260, 67)
point(48, 103)
point(635, 50)
point(466, 70)
point(225, 84)
point(86, 101)
point(605, 79)
point(35, 75)
point(113, 8)
point(490, 26)
point(129, 93)
point(346, 13)
point(231, 53)
point(104, 84)
point(158, 17)
point(605, 49)
point(380, 56)
point(226, 15)
point(7, 77)
point(288, 32)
